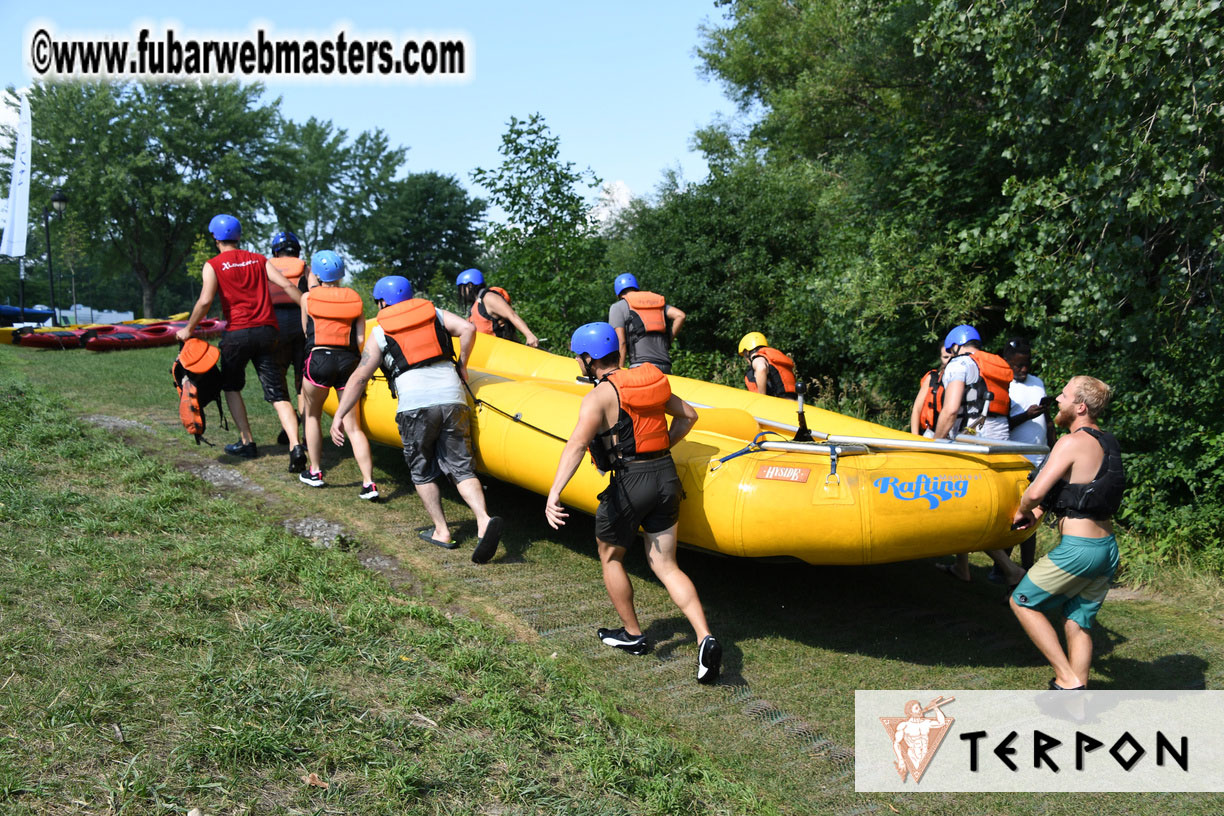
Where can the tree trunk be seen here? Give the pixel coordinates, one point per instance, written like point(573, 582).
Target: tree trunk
point(148, 288)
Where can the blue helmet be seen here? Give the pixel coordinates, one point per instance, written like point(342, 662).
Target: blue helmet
point(286, 240)
point(470, 276)
point(328, 266)
point(225, 228)
point(393, 289)
point(623, 282)
point(596, 339)
point(960, 336)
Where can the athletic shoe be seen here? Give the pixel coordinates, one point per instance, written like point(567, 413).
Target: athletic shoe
point(620, 639)
point(314, 478)
point(244, 449)
point(282, 438)
point(297, 459)
point(709, 660)
point(368, 491)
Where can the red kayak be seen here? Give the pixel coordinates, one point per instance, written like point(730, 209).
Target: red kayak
point(150, 335)
point(125, 337)
point(208, 328)
point(60, 338)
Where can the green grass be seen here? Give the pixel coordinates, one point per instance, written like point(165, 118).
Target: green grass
point(165, 649)
point(249, 658)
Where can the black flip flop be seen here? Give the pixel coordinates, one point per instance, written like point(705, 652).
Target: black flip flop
point(446, 545)
point(486, 547)
point(1055, 687)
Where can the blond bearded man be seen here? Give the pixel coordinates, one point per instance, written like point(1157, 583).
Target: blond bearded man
point(1081, 484)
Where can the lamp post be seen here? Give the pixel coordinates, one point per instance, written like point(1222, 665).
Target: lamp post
point(58, 201)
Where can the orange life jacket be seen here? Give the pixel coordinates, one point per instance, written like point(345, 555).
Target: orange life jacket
point(932, 390)
point(641, 424)
point(332, 313)
point(989, 395)
point(198, 380)
point(649, 308)
point(780, 378)
point(487, 323)
point(295, 270)
point(998, 376)
point(415, 337)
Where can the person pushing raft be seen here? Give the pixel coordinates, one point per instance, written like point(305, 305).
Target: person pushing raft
point(334, 331)
point(1081, 483)
point(645, 324)
point(623, 422)
point(491, 312)
point(412, 344)
point(770, 371)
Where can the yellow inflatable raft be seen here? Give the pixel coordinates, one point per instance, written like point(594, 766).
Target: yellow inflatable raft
point(859, 494)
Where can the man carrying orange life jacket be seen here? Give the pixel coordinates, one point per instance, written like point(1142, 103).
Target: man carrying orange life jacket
point(623, 422)
point(412, 344)
point(243, 279)
point(770, 371)
point(645, 324)
point(292, 350)
point(491, 312)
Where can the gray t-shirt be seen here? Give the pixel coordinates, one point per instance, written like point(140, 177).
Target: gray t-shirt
point(436, 384)
point(650, 349)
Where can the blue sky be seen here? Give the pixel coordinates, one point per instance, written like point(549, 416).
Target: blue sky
point(618, 83)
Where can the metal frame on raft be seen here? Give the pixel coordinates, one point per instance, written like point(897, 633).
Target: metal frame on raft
point(835, 445)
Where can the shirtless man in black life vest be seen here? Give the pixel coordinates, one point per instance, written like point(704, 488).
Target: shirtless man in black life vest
point(623, 422)
point(1081, 483)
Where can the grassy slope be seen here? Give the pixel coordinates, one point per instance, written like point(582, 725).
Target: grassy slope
point(800, 638)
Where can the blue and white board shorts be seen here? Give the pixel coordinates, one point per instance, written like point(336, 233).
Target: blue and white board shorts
point(1075, 575)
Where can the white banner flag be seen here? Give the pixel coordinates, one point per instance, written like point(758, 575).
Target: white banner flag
point(14, 241)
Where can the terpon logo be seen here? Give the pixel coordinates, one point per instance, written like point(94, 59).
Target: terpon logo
point(916, 737)
point(934, 490)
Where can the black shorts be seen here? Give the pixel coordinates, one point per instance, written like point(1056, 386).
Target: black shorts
point(642, 494)
point(330, 367)
point(256, 345)
point(292, 350)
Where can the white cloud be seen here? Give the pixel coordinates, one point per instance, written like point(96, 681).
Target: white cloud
point(614, 197)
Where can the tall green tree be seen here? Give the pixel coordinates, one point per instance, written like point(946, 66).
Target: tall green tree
point(422, 225)
point(334, 183)
point(547, 250)
point(1032, 167)
point(147, 165)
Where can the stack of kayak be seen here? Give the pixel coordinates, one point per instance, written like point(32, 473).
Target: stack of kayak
point(860, 493)
point(110, 336)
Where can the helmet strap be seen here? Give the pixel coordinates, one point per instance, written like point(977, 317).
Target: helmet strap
point(587, 366)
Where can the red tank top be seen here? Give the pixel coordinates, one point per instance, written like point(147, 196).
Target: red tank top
point(242, 278)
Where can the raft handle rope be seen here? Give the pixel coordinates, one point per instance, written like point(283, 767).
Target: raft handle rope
point(832, 465)
point(517, 418)
point(751, 447)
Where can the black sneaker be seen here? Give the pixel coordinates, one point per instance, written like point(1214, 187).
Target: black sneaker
point(314, 478)
point(709, 660)
point(297, 459)
point(244, 449)
point(283, 438)
point(369, 492)
point(620, 639)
